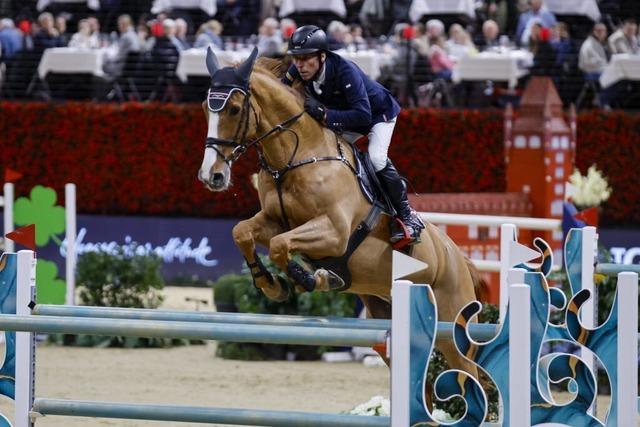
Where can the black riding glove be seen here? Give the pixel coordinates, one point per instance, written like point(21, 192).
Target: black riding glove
point(315, 109)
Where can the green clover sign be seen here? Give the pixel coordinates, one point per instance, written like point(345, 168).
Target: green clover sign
point(49, 289)
point(40, 209)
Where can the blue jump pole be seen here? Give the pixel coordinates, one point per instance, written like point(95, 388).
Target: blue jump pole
point(194, 414)
point(191, 330)
point(614, 269)
point(480, 331)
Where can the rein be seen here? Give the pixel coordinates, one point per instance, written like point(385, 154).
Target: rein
point(239, 148)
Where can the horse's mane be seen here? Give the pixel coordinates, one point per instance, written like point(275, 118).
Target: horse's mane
point(276, 68)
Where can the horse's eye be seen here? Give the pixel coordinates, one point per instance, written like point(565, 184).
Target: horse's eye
point(233, 110)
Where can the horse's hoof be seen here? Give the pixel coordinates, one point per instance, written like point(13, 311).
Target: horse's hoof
point(327, 280)
point(301, 276)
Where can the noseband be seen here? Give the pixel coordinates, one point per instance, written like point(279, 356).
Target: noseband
point(239, 142)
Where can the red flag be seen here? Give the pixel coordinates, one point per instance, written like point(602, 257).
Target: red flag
point(589, 216)
point(26, 236)
point(11, 175)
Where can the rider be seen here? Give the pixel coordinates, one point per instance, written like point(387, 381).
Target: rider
point(342, 97)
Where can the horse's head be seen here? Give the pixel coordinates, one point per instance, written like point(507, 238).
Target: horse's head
point(231, 118)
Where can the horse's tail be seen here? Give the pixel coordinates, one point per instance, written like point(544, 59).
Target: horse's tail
point(480, 286)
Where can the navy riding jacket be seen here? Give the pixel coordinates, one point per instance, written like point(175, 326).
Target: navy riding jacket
point(354, 101)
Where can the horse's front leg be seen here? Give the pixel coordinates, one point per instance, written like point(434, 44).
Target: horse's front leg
point(319, 238)
point(260, 229)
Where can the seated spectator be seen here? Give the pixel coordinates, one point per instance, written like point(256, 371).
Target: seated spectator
point(435, 28)
point(537, 13)
point(441, 63)
point(94, 25)
point(144, 37)
point(11, 39)
point(209, 34)
point(269, 38)
point(182, 28)
point(489, 38)
point(459, 44)
point(169, 29)
point(355, 30)
point(564, 47)
point(544, 57)
point(61, 26)
point(338, 36)
point(421, 39)
point(594, 53)
point(47, 36)
point(127, 42)
point(82, 39)
point(625, 40)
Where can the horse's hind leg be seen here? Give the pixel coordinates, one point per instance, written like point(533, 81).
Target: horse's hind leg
point(259, 229)
point(319, 238)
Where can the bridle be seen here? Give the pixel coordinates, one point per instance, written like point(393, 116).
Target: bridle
point(239, 142)
point(241, 145)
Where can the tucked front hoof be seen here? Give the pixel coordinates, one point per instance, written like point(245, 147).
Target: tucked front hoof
point(301, 276)
point(278, 291)
point(327, 280)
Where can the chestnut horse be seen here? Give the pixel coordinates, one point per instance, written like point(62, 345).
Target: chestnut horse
point(310, 198)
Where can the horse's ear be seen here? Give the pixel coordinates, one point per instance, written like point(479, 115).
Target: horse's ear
point(244, 70)
point(212, 62)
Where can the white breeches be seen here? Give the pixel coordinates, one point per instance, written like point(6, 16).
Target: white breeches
point(379, 141)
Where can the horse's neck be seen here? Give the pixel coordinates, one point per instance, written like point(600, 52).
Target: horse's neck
point(277, 106)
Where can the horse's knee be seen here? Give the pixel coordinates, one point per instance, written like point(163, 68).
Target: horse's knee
point(242, 235)
point(279, 251)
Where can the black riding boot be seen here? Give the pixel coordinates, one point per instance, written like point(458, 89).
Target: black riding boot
point(406, 228)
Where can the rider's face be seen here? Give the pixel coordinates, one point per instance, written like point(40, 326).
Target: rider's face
point(308, 65)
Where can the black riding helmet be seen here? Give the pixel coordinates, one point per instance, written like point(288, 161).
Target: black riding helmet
point(307, 39)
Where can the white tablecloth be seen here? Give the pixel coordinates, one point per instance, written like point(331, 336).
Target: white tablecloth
point(290, 6)
point(621, 67)
point(575, 7)
point(91, 4)
point(71, 60)
point(440, 7)
point(494, 66)
point(192, 61)
point(208, 6)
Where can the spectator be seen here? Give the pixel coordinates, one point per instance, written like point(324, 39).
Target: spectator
point(47, 36)
point(441, 63)
point(127, 42)
point(489, 39)
point(355, 30)
point(82, 39)
point(537, 13)
point(338, 36)
point(94, 26)
point(563, 47)
point(165, 54)
point(144, 39)
point(269, 38)
point(61, 26)
point(625, 40)
point(594, 53)
point(182, 28)
point(11, 39)
point(421, 40)
point(209, 34)
point(435, 28)
point(459, 43)
point(544, 57)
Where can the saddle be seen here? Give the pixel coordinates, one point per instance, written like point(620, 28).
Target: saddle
point(368, 180)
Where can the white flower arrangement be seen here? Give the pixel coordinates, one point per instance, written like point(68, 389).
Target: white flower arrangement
point(590, 190)
point(378, 406)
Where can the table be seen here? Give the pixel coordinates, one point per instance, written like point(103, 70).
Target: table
point(91, 4)
point(441, 7)
point(495, 66)
point(192, 61)
point(587, 8)
point(299, 6)
point(71, 60)
point(622, 66)
point(208, 6)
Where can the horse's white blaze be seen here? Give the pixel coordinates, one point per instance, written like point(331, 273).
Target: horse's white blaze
point(210, 154)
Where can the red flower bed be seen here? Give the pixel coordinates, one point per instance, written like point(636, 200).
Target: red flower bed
point(142, 159)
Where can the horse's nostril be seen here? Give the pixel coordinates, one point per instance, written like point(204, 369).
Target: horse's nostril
point(218, 178)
